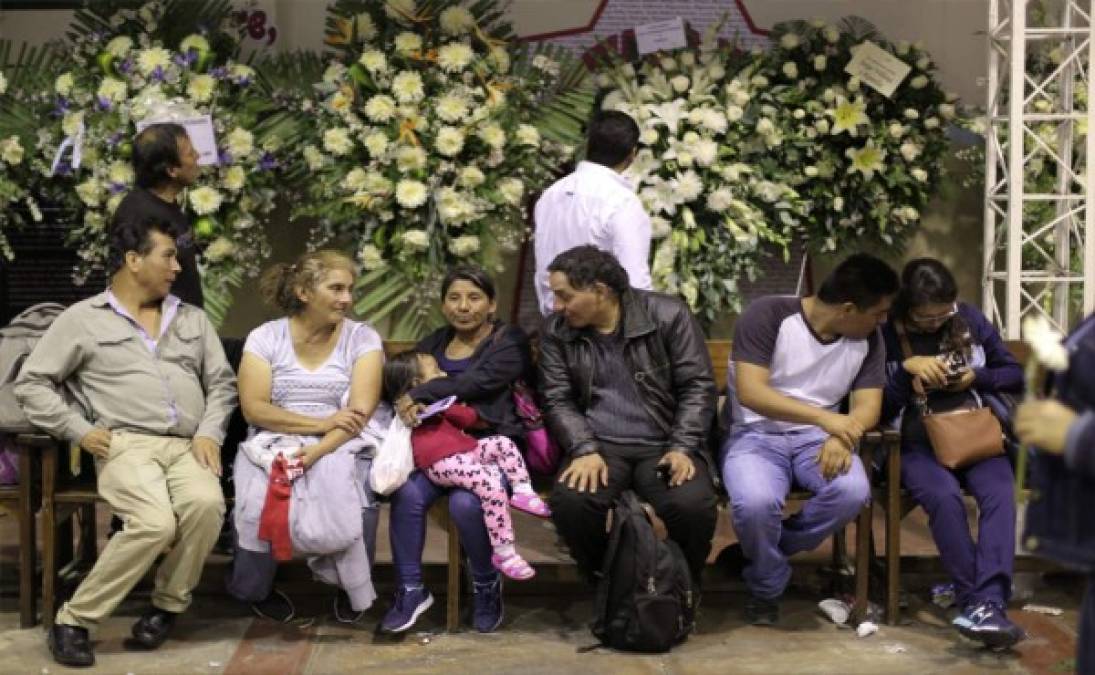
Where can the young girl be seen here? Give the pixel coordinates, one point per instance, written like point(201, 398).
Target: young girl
point(448, 455)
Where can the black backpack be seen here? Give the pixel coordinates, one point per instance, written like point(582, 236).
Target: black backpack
point(645, 596)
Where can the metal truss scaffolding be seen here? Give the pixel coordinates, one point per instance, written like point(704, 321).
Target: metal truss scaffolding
point(1039, 236)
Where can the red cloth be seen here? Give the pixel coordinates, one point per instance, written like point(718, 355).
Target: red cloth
point(443, 435)
point(274, 523)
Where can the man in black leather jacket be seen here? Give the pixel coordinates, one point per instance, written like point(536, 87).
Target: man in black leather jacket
point(629, 395)
point(1062, 478)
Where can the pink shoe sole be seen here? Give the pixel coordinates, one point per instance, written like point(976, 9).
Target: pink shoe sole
point(530, 504)
point(515, 567)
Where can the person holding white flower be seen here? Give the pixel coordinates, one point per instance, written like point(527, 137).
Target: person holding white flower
point(164, 164)
point(596, 205)
point(1062, 476)
point(961, 362)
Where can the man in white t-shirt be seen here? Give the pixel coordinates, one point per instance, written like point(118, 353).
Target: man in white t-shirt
point(596, 205)
point(794, 361)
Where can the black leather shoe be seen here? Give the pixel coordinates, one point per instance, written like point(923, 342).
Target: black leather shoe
point(152, 629)
point(70, 646)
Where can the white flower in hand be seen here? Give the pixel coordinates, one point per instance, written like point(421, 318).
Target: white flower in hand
point(1045, 342)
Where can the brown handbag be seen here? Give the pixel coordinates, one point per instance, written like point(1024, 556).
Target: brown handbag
point(958, 437)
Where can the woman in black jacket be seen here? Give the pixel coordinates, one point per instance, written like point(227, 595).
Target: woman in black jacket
point(482, 357)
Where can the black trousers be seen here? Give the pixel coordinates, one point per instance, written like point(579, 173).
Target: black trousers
point(688, 510)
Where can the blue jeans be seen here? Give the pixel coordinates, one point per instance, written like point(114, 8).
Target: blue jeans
point(759, 469)
point(407, 528)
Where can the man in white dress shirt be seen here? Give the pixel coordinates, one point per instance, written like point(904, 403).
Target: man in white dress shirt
point(596, 205)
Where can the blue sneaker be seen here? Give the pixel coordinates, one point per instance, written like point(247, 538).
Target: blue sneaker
point(487, 605)
point(410, 602)
point(988, 623)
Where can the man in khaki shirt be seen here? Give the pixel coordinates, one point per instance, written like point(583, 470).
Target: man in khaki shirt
point(152, 396)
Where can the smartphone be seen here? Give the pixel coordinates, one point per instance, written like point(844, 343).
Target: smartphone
point(436, 407)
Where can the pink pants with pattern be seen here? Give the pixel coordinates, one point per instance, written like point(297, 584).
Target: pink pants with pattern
point(480, 471)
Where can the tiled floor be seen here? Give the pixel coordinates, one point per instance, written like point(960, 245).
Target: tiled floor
point(546, 626)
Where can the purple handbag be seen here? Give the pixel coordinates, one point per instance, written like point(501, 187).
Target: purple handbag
point(541, 452)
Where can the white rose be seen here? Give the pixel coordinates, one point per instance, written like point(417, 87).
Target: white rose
point(740, 98)
point(415, 240)
point(410, 158)
point(688, 59)
point(334, 72)
point(719, 200)
point(371, 257)
point(811, 171)
point(494, 136)
point(918, 82)
point(205, 200)
point(471, 177)
point(669, 64)
point(356, 180)
point(500, 58)
point(120, 173)
point(896, 130)
point(407, 87)
point(832, 35)
point(64, 84)
point(911, 114)
point(820, 62)
point(902, 47)
point(240, 142)
point(72, 122)
point(449, 141)
point(910, 151)
point(822, 126)
point(380, 108)
point(11, 151)
point(680, 84)
point(410, 194)
point(112, 90)
point(408, 42)
point(512, 190)
point(765, 126)
point(798, 114)
point(716, 72)
point(659, 227)
point(201, 87)
point(759, 81)
point(911, 213)
point(376, 143)
point(337, 141)
point(119, 46)
point(789, 41)
point(920, 175)
point(454, 57)
point(790, 70)
point(528, 135)
point(838, 204)
point(464, 245)
point(649, 136)
point(923, 62)
point(456, 21)
point(221, 248)
point(373, 61)
point(451, 107)
point(90, 192)
point(734, 113)
point(706, 151)
point(947, 110)
point(931, 123)
point(148, 60)
point(234, 178)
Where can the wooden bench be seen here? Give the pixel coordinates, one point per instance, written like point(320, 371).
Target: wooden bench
point(61, 502)
point(20, 501)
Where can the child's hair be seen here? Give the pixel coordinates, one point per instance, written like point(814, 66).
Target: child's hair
point(400, 374)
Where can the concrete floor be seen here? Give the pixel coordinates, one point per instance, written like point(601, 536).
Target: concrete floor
point(546, 627)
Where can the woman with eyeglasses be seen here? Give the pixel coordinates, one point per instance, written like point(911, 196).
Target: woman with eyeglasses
point(961, 362)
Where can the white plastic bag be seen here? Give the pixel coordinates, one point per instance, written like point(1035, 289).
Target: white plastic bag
point(393, 462)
